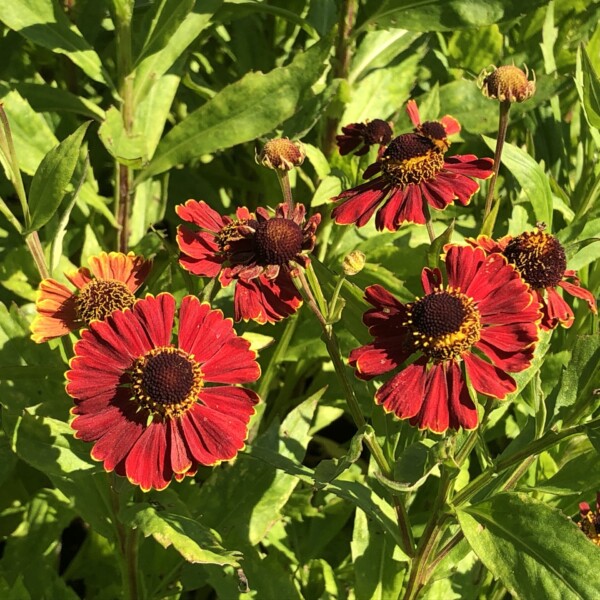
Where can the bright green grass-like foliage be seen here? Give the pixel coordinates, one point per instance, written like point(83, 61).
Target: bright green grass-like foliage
point(301, 480)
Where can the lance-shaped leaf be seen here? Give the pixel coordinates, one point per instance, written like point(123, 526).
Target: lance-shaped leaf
point(533, 549)
point(243, 111)
point(45, 23)
point(52, 177)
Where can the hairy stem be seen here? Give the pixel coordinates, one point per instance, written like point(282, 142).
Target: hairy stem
point(286, 190)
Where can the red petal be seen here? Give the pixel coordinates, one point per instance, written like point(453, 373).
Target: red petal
point(576, 290)
point(179, 458)
point(451, 125)
point(470, 165)
point(359, 203)
point(388, 216)
point(488, 379)
point(156, 316)
point(434, 413)
point(237, 402)
point(462, 264)
point(201, 215)
point(146, 463)
point(462, 410)
point(131, 270)
point(379, 357)
point(431, 279)
point(413, 112)
point(233, 363)
point(56, 306)
point(403, 394)
point(557, 310)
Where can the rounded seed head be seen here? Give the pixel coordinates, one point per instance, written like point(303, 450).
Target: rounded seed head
point(507, 84)
point(282, 154)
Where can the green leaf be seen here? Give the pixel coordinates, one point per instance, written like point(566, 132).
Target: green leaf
point(448, 15)
point(175, 25)
point(435, 250)
point(591, 90)
point(195, 542)
point(52, 177)
point(127, 148)
point(534, 550)
point(45, 23)
point(531, 177)
point(242, 111)
point(376, 560)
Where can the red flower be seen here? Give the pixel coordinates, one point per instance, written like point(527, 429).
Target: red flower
point(484, 318)
point(540, 259)
point(108, 285)
point(147, 405)
point(255, 251)
point(363, 136)
point(414, 174)
point(590, 520)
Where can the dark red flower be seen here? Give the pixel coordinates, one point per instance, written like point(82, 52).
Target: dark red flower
point(363, 136)
point(148, 405)
point(258, 252)
point(590, 520)
point(414, 174)
point(484, 318)
point(540, 259)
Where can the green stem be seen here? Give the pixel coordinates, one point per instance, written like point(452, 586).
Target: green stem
point(286, 190)
point(333, 349)
point(428, 223)
point(35, 247)
point(502, 128)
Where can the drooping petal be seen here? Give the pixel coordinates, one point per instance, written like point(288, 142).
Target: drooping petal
point(146, 464)
point(463, 412)
point(199, 253)
point(200, 214)
point(557, 310)
point(380, 357)
point(56, 307)
point(488, 379)
point(404, 393)
point(434, 414)
point(576, 290)
point(359, 203)
point(470, 165)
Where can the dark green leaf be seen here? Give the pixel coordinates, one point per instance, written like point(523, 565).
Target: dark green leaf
point(591, 90)
point(52, 177)
point(534, 550)
point(241, 112)
point(435, 250)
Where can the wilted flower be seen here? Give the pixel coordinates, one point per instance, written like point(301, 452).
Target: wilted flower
point(363, 136)
point(414, 174)
point(507, 84)
point(282, 154)
point(481, 325)
point(540, 259)
point(149, 406)
point(108, 285)
point(259, 252)
point(354, 262)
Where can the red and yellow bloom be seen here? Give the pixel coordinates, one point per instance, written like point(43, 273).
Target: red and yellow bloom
point(414, 174)
point(108, 285)
point(540, 259)
point(155, 410)
point(590, 520)
point(259, 252)
point(482, 323)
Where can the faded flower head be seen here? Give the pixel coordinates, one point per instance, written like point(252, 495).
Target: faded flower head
point(281, 154)
point(507, 84)
point(361, 136)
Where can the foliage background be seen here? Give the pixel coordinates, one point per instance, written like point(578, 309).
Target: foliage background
point(172, 99)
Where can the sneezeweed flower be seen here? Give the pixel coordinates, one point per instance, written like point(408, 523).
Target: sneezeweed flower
point(481, 325)
point(258, 252)
point(359, 137)
point(155, 410)
point(414, 174)
point(540, 259)
point(590, 520)
point(281, 154)
point(507, 83)
point(108, 285)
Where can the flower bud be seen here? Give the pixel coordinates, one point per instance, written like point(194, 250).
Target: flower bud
point(354, 262)
point(281, 154)
point(507, 84)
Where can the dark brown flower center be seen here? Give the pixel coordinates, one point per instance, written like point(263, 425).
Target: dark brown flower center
point(99, 298)
point(444, 324)
point(411, 158)
point(377, 131)
point(433, 129)
point(539, 257)
point(166, 381)
point(277, 241)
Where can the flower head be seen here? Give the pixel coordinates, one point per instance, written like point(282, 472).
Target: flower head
point(414, 173)
point(361, 136)
point(281, 154)
point(590, 520)
point(541, 261)
point(482, 323)
point(155, 410)
point(507, 84)
point(108, 285)
point(259, 252)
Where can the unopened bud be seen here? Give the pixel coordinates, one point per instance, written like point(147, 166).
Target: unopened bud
point(282, 154)
point(354, 262)
point(507, 84)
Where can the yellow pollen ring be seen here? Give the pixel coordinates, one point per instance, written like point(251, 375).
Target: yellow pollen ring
point(415, 169)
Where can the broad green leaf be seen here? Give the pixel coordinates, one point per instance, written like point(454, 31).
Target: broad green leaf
point(242, 111)
point(169, 39)
point(328, 188)
point(591, 90)
point(149, 204)
point(475, 49)
point(45, 23)
point(127, 148)
point(195, 542)
point(534, 550)
point(448, 15)
point(376, 559)
point(531, 177)
point(52, 178)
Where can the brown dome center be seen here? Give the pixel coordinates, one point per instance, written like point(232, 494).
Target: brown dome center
point(277, 241)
